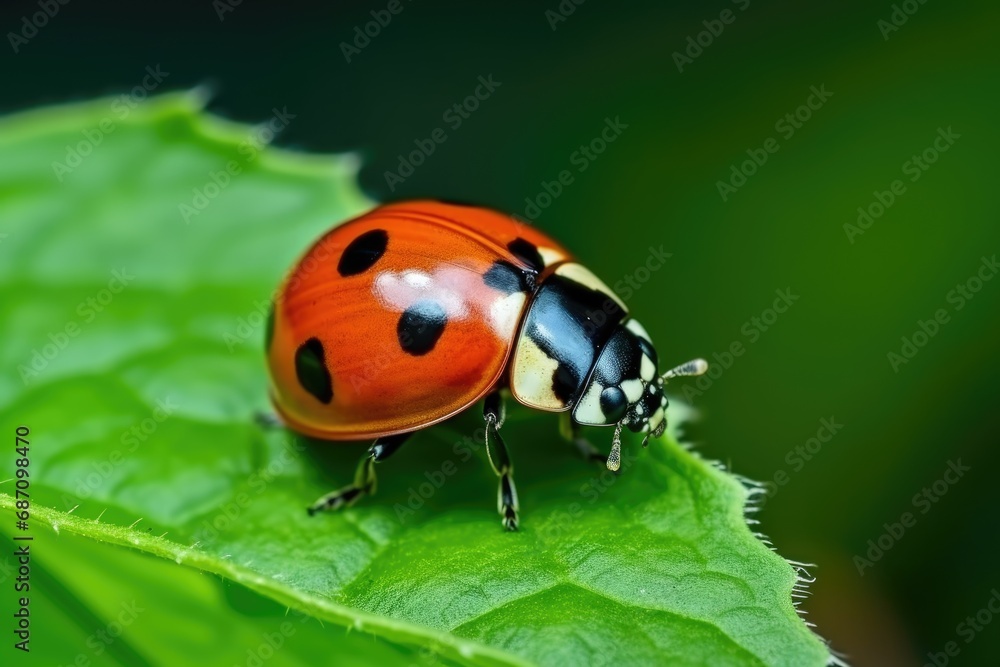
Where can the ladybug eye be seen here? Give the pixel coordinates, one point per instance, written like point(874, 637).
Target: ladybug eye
point(614, 403)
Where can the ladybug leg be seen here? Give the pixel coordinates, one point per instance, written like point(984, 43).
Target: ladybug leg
point(570, 431)
point(365, 481)
point(493, 413)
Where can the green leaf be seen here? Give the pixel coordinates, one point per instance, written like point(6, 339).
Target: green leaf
point(137, 272)
point(121, 607)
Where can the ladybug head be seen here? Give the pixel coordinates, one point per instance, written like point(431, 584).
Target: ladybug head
point(657, 423)
point(625, 388)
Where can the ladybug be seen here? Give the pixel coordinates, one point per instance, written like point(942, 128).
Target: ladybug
point(413, 312)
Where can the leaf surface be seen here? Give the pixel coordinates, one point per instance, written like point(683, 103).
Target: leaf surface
point(136, 282)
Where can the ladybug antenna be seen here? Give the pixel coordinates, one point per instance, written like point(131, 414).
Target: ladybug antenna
point(693, 367)
point(615, 457)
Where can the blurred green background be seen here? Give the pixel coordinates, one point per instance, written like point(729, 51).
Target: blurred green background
point(657, 184)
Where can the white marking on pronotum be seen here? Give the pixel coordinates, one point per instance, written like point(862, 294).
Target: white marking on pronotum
point(550, 256)
point(581, 274)
point(532, 375)
point(633, 389)
point(638, 330)
point(588, 410)
point(647, 369)
point(505, 313)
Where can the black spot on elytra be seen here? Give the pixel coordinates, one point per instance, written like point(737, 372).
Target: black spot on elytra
point(269, 328)
point(507, 278)
point(361, 253)
point(564, 384)
point(311, 370)
point(527, 253)
point(457, 202)
point(420, 326)
point(613, 403)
